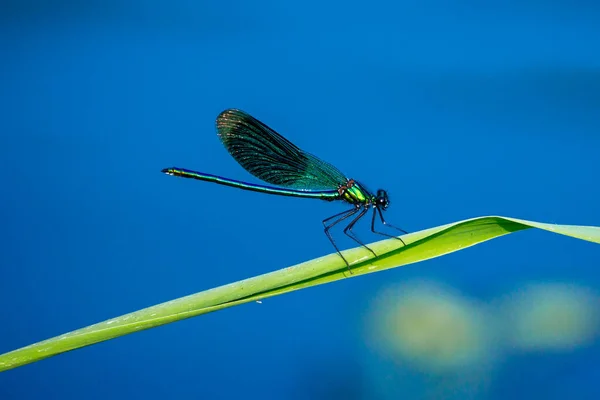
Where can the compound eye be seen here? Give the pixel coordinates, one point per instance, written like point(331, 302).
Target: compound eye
point(382, 199)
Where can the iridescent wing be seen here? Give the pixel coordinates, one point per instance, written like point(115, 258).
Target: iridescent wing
point(271, 157)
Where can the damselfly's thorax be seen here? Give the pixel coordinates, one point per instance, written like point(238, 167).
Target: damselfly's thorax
point(352, 192)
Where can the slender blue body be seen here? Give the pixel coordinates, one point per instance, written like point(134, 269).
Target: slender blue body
point(328, 195)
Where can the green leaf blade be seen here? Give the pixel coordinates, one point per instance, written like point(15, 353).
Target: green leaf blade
point(420, 246)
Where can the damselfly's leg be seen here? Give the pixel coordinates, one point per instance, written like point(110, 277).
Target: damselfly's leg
point(342, 216)
point(336, 215)
point(384, 222)
point(348, 230)
point(377, 210)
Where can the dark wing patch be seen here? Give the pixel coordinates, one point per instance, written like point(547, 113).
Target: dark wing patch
point(271, 157)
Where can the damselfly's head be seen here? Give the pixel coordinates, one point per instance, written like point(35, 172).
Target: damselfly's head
point(381, 200)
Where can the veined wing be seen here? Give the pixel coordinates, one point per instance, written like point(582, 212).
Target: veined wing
point(271, 157)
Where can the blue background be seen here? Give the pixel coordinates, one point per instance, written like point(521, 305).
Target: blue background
point(458, 110)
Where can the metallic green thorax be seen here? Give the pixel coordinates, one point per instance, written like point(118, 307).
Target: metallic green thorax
point(353, 193)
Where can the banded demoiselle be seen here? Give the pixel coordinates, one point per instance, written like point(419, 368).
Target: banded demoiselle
point(272, 158)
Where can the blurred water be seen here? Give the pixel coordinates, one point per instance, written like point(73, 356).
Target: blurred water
point(454, 347)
